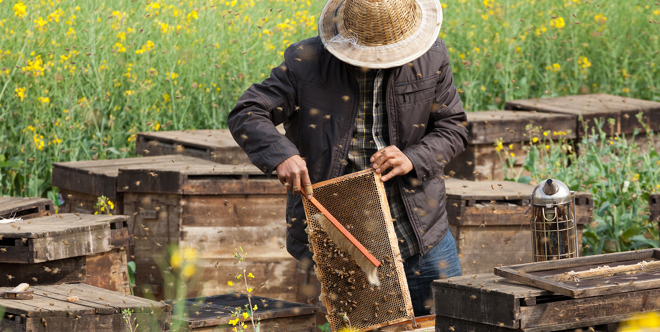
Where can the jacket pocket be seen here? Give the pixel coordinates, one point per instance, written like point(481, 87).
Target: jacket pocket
point(417, 91)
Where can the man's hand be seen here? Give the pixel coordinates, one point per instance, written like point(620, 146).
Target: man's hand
point(391, 157)
point(293, 173)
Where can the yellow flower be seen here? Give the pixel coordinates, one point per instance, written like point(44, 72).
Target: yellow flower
point(545, 133)
point(535, 139)
point(600, 19)
point(188, 270)
point(584, 61)
point(20, 93)
point(193, 15)
point(166, 97)
point(254, 308)
point(656, 12)
point(250, 275)
point(176, 260)
point(510, 146)
point(625, 90)
point(230, 283)
point(558, 23)
point(547, 147)
point(112, 206)
point(20, 9)
point(249, 289)
point(555, 67)
point(624, 73)
point(512, 154)
point(245, 315)
point(233, 321)
point(641, 322)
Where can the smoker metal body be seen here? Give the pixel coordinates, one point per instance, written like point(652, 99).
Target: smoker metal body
point(553, 222)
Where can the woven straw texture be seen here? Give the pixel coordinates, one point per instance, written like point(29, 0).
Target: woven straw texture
point(379, 33)
point(359, 202)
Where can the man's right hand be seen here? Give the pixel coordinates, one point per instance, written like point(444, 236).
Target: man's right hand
point(293, 173)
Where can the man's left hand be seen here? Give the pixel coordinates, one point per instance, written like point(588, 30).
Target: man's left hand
point(391, 158)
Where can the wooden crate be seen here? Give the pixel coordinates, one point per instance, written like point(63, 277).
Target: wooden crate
point(480, 161)
point(490, 222)
point(96, 309)
point(211, 144)
point(213, 313)
point(213, 209)
point(66, 248)
point(25, 207)
point(81, 183)
point(597, 106)
point(485, 302)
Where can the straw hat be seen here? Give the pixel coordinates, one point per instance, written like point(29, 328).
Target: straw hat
point(379, 33)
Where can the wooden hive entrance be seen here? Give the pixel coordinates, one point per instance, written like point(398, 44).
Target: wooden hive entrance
point(214, 210)
point(216, 145)
point(81, 183)
point(358, 202)
point(95, 309)
point(481, 160)
point(25, 207)
point(213, 313)
point(66, 248)
point(490, 221)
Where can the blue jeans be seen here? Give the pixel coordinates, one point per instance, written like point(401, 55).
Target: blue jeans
point(440, 262)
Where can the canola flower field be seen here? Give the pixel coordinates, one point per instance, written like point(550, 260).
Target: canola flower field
point(79, 79)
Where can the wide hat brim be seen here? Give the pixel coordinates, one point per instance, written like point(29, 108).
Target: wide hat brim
point(386, 56)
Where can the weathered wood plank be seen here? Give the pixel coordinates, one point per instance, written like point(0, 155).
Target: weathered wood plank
point(579, 289)
point(109, 270)
point(99, 177)
point(72, 269)
point(511, 126)
point(234, 210)
point(481, 249)
point(25, 207)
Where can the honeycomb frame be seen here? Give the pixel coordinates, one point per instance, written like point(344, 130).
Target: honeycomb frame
point(359, 202)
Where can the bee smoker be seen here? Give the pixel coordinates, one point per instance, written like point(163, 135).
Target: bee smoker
point(553, 222)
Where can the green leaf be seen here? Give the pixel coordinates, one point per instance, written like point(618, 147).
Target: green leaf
point(639, 241)
point(526, 179)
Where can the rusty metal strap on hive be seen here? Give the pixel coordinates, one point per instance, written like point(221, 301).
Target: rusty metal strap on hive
point(359, 202)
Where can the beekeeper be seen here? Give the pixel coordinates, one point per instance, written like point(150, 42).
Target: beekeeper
point(374, 90)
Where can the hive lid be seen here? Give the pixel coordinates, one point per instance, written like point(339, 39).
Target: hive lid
point(551, 192)
point(487, 190)
point(51, 301)
point(199, 180)
point(61, 236)
point(99, 177)
point(488, 126)
point(595, 106)
point(25, 207)
point(216, 310)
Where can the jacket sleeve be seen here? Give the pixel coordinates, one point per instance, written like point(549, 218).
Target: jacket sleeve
point(447, 135)
point(262, 107)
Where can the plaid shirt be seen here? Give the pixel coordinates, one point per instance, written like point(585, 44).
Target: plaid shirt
point(370, 134)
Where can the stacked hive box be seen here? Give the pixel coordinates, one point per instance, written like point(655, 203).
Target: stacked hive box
point(82, 308)
point(25, 207)
point(214, 313)
point(600, 107)
point(211, 144)
point(214, 210)
point(81, 183)
point(481, 160)
point(490, 221)
point(66, 248)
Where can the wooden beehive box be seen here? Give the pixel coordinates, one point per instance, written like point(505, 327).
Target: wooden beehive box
point(25, 207)
point(211, 144)
point(81, 183)
point(95, 309)
point(485, 302)
point(597, 106)
point(490, 221)
point(213, 313)
point(481, 161)
point(66, 248)
point(214, 210)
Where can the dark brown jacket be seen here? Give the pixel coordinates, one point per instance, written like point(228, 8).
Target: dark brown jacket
point(314, 95)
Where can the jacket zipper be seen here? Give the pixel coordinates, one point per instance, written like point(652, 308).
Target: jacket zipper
point(394, 141)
